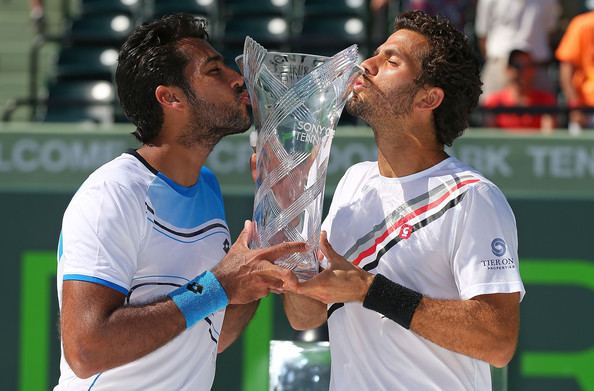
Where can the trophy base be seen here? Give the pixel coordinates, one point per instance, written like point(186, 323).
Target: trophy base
point(304, 275)
point(305, 266)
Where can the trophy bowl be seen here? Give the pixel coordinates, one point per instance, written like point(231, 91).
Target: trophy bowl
point(296, 101)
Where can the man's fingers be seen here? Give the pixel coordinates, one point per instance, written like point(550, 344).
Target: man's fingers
point(327, 248)
point(335, 260)
point(272, 284)
point(246, 234)
point(270, 272)
point(253, 167)
point(319, 254)
point(282, 249)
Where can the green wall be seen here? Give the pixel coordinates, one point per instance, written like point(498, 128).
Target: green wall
point(549, 181)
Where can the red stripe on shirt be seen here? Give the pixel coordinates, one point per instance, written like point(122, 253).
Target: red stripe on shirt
point(410, 216)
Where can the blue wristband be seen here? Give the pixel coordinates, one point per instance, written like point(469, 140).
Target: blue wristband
point(199, 298)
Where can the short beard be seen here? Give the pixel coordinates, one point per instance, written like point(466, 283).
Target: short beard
point(209, 123)
point(394, 106)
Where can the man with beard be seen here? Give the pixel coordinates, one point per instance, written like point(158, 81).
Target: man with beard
point(145, 266)
point(422, 287)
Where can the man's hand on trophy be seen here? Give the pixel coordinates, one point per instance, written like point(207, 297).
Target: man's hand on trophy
point(341, 282)
point(247, 275)
point(253, 167)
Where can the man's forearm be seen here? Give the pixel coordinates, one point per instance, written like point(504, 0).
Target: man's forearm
point(237, 317)
point(486, 328)
point(98, 343)
point(303, 312)
point(566, 71)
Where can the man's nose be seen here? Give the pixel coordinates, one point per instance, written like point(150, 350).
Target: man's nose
point(237, 80)
point(370, 66)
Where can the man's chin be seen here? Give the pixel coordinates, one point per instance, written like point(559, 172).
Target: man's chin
point(355, 107)
point(239, 127)
point(247, 124)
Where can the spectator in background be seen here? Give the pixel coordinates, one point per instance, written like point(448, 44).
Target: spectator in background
point(576, 71)
point(458, 12)
point(503, 25)
point(454, 10)
point(520, 91)
point(37, 15)
point(569, 10)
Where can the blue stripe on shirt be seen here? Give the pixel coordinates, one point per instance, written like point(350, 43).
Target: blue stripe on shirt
point(96, 280)
point(60, 247)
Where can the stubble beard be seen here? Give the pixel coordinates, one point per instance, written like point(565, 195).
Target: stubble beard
point(209, 123)
point(359, 107)
point(377, 106)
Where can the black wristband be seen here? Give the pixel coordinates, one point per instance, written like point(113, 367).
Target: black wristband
point(392, 300)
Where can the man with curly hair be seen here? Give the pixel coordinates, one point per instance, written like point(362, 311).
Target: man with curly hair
point(422, 287)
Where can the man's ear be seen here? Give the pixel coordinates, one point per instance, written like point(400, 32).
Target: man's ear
point(431, 98)
point(169, 97)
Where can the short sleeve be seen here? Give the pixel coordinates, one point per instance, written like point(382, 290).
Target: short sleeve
point(569, 47)
point(485, 252)
point(102, 235)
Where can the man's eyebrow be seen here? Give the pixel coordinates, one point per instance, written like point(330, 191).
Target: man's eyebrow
point(389, 52)
point(403, 55)
point(216, 57)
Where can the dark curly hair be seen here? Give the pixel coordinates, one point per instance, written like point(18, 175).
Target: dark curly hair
point(449, 63)
point(151, 56)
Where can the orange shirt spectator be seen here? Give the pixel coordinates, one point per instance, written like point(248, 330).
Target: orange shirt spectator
point(576, 53)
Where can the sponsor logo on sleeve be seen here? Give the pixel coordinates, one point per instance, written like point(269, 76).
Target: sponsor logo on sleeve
point(499, 248)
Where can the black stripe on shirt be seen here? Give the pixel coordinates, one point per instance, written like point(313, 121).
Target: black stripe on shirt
point(423, 223)
point(191, 234)
point(135, 153)
point(182, 234)
point(333, 308)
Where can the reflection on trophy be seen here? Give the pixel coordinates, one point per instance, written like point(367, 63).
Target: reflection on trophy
point(296, 100)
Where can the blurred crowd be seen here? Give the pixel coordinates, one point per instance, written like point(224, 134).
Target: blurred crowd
point(538, 70)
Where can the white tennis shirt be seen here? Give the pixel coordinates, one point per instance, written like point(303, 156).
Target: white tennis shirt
point(132, 229)
point(446, 232)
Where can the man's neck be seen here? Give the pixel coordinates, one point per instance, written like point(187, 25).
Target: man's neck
point(405, 153)
point(400, 164)
point(179, 163)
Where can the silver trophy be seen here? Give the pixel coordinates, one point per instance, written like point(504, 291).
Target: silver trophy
point(296, 102)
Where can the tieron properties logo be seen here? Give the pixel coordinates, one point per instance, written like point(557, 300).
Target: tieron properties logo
point(499, 248)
